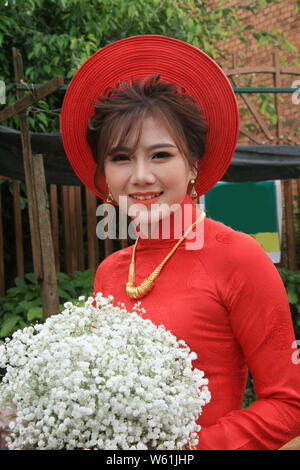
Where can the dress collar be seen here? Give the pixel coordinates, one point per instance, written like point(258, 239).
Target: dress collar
point(170, 229)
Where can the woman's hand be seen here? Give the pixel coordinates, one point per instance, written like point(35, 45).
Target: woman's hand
point(294, 444)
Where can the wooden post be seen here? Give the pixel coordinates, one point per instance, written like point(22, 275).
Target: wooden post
point(49, 292)
point(2, 274)
point(124, 243)
point(18, 229)
point(66, 228)
point(288, 184)
point(79, 229)
point(28, 100)
point(55, 224)
point(289, 224)
point(298, 198)
point(38, 207)
point(28, 170)
point(73, 234)
point(252, 109)
point(277, 83)
point(93, 252)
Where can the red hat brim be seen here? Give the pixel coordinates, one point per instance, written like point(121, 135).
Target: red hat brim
point(139, 57)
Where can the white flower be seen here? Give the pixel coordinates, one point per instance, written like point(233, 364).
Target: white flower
point(103, 378)
point(3, 357)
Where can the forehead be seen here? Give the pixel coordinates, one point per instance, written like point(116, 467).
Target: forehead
point(153, 128)
point(148, 128)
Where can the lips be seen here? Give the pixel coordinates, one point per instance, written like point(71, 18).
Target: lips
point(139, 197)
point(146, 194)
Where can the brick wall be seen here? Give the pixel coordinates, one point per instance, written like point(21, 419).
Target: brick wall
point(283, 16)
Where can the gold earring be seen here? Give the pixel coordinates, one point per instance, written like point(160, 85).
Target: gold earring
point(193, 192)
point(110, 197)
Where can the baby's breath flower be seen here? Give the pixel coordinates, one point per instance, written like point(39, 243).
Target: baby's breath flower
point(99, 377)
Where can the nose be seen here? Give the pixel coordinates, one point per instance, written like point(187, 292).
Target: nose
point(141, 173)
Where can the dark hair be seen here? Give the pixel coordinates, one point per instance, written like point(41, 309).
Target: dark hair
point(124, 107)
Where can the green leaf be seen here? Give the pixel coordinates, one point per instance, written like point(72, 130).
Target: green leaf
point(35, 313)
point(131, 11)
point(274, 119)
point(169, 13)
point(42, 118)
point(9, 306)
point(62, 276)
point(8, 326)
point(19, 309)
point(23, 324)
point(21, 284)
point(30, 277)
point(63, 294)
point(292, 296)
point(30, 295)
point(47, 69)
point(13, 291)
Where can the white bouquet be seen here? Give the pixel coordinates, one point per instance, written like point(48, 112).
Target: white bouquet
point(101, 378)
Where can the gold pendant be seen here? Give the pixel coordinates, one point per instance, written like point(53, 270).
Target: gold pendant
point(148, 284)
point(139, 291)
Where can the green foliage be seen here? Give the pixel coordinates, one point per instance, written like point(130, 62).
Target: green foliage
point(291, 280)
point(264, 103)
point(22, 304)
point(249, 396)
point(56, 36)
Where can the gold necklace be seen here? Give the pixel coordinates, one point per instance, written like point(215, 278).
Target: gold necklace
point(137, 292)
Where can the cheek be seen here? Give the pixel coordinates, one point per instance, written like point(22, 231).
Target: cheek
point(176, 174)
point(115, 177)
point(99, 178)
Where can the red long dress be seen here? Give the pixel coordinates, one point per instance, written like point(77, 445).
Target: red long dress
point(226, 300)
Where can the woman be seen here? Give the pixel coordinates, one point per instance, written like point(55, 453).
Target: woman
point(161, 136)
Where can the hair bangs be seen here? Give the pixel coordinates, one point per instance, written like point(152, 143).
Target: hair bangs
point(120, 130)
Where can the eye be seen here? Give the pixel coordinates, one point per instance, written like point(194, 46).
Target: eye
point(119, 157)
point(162, 155)
point(122, 156)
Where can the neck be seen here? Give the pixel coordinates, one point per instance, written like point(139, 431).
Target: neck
point(169, 229)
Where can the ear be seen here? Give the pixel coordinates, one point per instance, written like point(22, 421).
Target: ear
point(97, 177)
point(193, 173)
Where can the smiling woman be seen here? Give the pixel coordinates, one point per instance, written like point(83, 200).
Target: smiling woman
point(148, 176)
point(122, 110)
point(144, 141)
point(150, 123)
point(147, 139)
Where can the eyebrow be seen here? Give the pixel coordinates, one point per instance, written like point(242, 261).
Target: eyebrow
point(119, 148)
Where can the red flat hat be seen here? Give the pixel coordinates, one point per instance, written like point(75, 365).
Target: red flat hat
point(139, 57)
